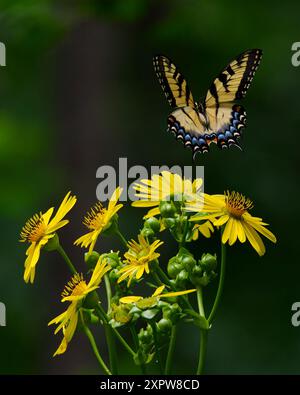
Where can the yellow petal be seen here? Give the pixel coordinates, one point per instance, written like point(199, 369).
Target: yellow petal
point(261, 229)
point(227, 230)
point(47, 215)
point(61, 348)
point(241, 232)
point(221, 221)
point(172, 294)
point(65, 206)
point(159, 290)
point(145, 203)
point(114, 198)
point(234, 232)
point(130, 299)
point(254, 239)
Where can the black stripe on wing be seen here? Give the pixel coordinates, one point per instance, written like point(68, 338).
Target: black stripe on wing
point(253, 61)
point(224, 139)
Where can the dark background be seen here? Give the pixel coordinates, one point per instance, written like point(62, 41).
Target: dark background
point(79, 92)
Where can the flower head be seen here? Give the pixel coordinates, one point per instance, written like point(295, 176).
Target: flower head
point(164, 187)
point(75, 292)
point(145, 303)
point(138, 257)
point(231, 210)
point(39, 229)
point(99, 219)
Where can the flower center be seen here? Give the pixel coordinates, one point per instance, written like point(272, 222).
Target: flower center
point(94, 219)
point(237, 204)
point(75, 287)
point(34, 229)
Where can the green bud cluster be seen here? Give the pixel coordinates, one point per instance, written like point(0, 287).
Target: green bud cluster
point(180, 267)
point(145, 352)
point(151, 227)
point(204, 271)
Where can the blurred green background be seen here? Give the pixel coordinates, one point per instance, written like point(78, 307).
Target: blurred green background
point(78, 92)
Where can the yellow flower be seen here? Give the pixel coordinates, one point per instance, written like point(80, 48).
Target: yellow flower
point(98, 219)
point(162, 188)
point(138, 258)
point(231, 210)
point(75, 292)
point(39, 229)
point(206, 229)
point(154, 298)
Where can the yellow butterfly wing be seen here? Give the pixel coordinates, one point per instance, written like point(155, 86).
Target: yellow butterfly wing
point(225, 118)
point(233, 82)
point(173, 83)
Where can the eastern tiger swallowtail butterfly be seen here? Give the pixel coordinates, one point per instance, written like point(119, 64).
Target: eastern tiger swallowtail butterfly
point(218, 120)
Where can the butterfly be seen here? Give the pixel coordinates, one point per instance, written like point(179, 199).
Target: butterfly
point(218, 119)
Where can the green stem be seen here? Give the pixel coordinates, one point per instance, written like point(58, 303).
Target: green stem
point(182, 241)
point(108, 292)
point(122, 238)
point(108, 331)
point(123, 342)
point(111, 349)
point(221, 284)
point(157, 350)
point(157, 279)
point(203, 335)
point(202, 351)
point(171, 350)
point(63, 254)
point(95, 348)
point(200, 302)
point(164, 277)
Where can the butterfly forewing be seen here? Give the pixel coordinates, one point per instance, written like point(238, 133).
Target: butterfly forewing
point(172, 82)
point(233, 82)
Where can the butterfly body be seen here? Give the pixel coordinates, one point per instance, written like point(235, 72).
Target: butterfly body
point(219, 119)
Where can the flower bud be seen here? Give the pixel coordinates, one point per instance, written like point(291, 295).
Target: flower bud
point(208, 262)
point(164, 325)
point(188, 262)
point(114, 275)
point(181, 278)
point(169, 222)
point(167, 209)
point(152, 223)
point(147, 232)
point(91, 259)
point(113, 259)
point(174, 267)
point(196, 276)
